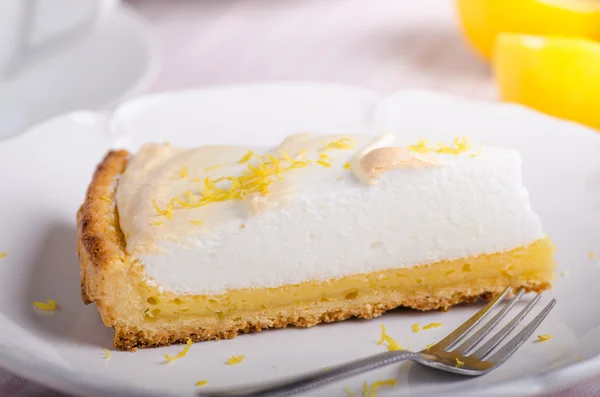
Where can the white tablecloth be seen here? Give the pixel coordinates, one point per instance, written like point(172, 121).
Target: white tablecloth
point(385, 45)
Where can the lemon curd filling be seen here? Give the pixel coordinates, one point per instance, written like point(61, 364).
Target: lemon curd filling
point(533, 264)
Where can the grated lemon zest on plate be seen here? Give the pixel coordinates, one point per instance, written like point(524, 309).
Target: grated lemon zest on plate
point(349, 391)
point(543, 338)
point(323, 163)
point(592, 255)
point(432, 325)
point(201, 383)
point(235, 360)
point(347, 166)
point(459, 363)
point(106, 199)
point(49, 306)
point(106, 353)
point(372, 390)
point(196, 222)
point(392, 344)
point(415, 328)
point(157, 223)
point(181, 354)
point(3, 254)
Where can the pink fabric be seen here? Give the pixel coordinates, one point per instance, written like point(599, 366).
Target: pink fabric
point(384, 45)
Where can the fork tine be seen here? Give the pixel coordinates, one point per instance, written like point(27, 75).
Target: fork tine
point(466, 347)
point(507, 350)
point(486, 349)
point(449, 341)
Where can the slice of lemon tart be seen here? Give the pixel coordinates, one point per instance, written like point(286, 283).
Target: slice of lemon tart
point(214, 241)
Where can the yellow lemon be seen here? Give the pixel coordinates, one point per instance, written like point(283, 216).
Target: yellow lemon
point(483, 20)
point(555, 75)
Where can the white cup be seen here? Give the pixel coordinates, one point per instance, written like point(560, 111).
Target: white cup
point(34, 28)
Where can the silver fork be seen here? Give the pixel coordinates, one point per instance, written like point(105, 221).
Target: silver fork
point(455, 353)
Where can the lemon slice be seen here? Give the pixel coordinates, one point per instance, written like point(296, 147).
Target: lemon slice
point(557, 76)
point(483, 20)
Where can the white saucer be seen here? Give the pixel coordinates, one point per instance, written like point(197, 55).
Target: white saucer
point(116, 59)
point(44, 174)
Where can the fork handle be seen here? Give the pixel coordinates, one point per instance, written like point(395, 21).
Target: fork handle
point(306, 382)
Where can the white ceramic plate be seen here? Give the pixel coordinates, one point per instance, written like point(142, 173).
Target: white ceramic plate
point(44, 174)
point(116, 59)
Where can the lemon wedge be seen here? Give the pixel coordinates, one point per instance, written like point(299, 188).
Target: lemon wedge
point(483, 20)
point(557, 76)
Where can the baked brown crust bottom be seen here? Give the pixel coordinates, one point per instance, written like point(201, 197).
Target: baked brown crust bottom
point(110, 279)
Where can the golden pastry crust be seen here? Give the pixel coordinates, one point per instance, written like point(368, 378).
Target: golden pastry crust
point(110, 278)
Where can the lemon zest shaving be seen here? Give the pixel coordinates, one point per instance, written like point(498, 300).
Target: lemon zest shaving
point(543, 338)
point(323, 163)
point(392, 344)
point(344, 143)
point(158, 223)
point(3, 254)
point(349, 391)
point(460, 145)
point(478, 152)
point(181, 354)
point(201, 383)
point(106, 353)
point(196, 222)
point(432, 325)
point(415, 328)
point(347, 166)
point(49, 306)
point(235, 360)
point(184, 172)
point(459, 363)
point(211, 168)
point(422, 146)
point(167, 212)
point(245, 158)
point(108, 200)
point(592, 255)
point(372, 390)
